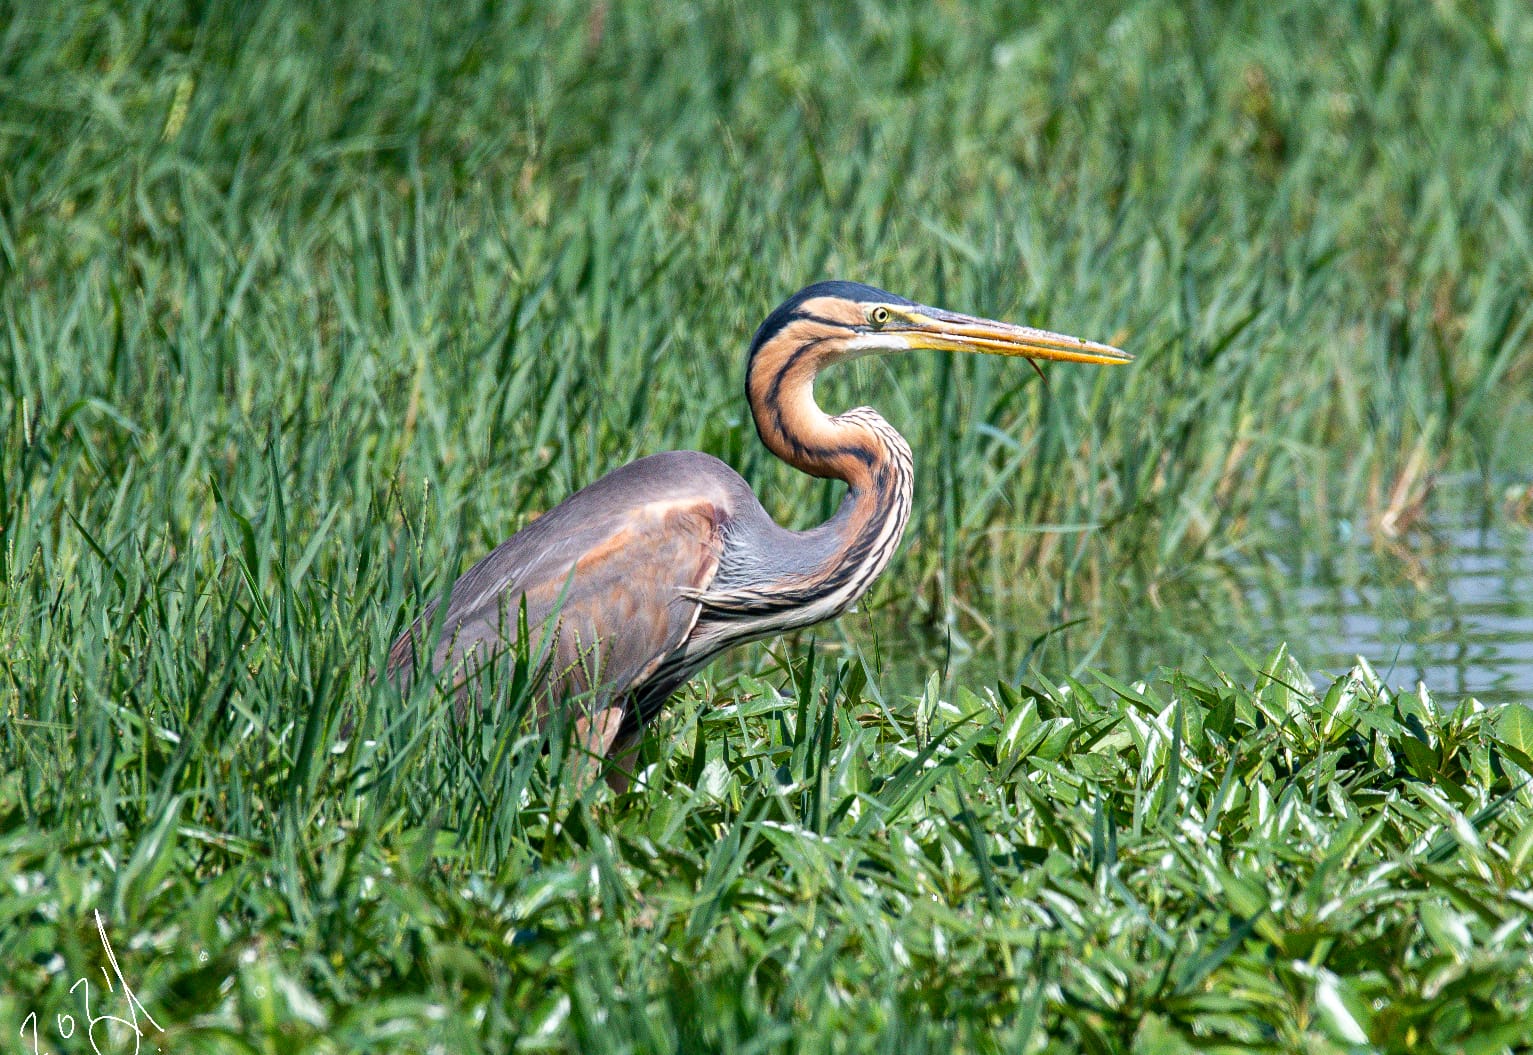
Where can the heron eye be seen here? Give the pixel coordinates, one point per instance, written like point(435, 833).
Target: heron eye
point(878, 316)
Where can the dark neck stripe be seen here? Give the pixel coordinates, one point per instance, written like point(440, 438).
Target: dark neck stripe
point(781, 373)
point(812, 317)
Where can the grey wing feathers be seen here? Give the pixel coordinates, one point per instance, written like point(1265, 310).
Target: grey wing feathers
point(612, 571)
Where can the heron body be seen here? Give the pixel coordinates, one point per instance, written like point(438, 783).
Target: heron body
point(635, 582)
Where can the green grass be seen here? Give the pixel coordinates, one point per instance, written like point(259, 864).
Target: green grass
point(301, 310)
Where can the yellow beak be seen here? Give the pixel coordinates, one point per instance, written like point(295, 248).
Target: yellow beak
point(949, 331)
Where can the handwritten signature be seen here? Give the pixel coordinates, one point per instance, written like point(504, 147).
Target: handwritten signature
point(66, 1023)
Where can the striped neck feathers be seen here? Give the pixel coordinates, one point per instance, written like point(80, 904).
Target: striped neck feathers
point(856, 447)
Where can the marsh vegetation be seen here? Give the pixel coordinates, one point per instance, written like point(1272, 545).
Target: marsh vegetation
point(304, 307)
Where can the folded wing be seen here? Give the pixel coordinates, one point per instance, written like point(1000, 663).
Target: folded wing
point(607, 577)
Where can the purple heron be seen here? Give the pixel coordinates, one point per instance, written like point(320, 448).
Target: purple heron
point(632, 584)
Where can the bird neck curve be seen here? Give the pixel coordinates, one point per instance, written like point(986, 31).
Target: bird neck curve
point(824, 569)
point(855, 447)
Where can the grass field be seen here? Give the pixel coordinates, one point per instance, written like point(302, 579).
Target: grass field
point(303, 307)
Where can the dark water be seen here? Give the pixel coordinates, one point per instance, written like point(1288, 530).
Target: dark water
point(1447, 604)
point(1450, 605)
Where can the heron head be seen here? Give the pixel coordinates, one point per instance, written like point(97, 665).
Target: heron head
point(835, 321)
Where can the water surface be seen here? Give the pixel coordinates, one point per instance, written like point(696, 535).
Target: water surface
point(1450, 606)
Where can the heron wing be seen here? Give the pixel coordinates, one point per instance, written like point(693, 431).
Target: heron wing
point(608, 583)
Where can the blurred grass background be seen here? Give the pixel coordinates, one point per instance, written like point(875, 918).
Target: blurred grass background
point(304, 307)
